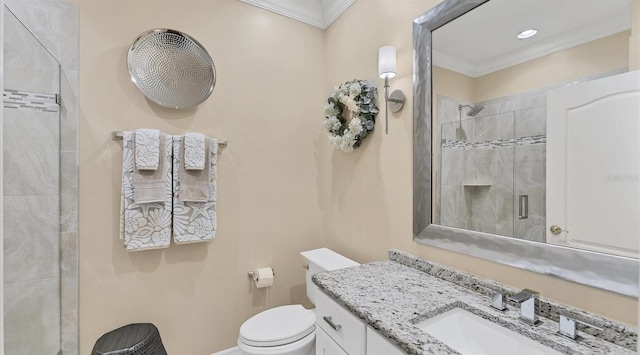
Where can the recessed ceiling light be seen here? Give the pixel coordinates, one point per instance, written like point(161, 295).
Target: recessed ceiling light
point(526, 34)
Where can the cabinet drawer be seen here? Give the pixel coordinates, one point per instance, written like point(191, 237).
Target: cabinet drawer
point(343, 327)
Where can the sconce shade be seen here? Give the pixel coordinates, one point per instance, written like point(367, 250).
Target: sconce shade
point(387, 62)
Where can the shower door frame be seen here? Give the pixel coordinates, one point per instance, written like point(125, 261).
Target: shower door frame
point(1, 179)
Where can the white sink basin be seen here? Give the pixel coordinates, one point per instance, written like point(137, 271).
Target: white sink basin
point(468, 333)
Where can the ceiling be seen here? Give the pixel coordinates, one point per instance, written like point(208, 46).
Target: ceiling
point(319, 13)
point(484, 40)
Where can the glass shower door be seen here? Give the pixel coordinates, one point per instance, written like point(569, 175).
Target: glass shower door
point(31, 193)
point(530, 174)
point(477, 165)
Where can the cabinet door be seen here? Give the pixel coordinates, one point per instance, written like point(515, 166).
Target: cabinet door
point(340, 325)
point(378, 345)
point(325, 345)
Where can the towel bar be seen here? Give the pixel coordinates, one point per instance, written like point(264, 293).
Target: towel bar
point(117, 136)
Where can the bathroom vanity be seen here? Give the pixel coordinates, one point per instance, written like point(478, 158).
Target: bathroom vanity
point(338, 329)
point(381, 308)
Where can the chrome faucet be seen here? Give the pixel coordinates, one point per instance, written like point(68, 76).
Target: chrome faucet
point(568, 325)
point(498, 297)
point(527, 301)
point(498, 300)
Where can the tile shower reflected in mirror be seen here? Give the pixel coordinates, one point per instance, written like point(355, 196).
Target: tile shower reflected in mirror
point(39, 177)
point(493, 166)
point(498, 168)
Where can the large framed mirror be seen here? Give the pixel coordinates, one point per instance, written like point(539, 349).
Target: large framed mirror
point(526, 149)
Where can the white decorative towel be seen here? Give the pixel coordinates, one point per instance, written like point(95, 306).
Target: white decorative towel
point(194, 221)
point(151, 185)
point(194, 151)
point(194, 184)
point(144, 226)
point(147, 149)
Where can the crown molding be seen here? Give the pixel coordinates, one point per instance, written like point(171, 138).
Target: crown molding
point(555, 44)
point(318, 13)
point(332, 9)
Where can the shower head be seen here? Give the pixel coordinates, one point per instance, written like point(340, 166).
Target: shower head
point(475, 109)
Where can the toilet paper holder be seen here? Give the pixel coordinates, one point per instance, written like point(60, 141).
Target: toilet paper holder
point(252, 275)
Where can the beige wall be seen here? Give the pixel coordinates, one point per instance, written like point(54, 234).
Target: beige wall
point(267, 103)
point(367, 195)
point(595, 57)
point(453, 84)
point(592, 58)
point(634, 40)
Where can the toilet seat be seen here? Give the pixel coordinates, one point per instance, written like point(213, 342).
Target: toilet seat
point(278, 326)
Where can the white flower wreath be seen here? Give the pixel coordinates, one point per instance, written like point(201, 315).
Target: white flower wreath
point(357, 96)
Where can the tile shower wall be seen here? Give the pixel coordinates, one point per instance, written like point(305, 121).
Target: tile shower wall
point(40, 154)
point(527, 176)
point(489, 161)
point(31, 199)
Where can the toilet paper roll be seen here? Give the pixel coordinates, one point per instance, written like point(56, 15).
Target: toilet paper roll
point(263, 277)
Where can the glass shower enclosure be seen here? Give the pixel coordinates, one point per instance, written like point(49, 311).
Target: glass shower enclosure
point(31, 193)
point(493, 173)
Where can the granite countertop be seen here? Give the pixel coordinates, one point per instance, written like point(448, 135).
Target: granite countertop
point(392, 297)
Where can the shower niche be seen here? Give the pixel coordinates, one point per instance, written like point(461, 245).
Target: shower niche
point(492, 166)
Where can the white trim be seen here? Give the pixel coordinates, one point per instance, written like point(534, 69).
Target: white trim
point(288, 12)
point(320, 16)
point(231, 351)
point(331, 10)
point(555, 44)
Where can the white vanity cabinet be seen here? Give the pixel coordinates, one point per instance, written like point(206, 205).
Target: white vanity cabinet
point(378, 345)
point(326, 346)
point(341, 326)
point(338, 332)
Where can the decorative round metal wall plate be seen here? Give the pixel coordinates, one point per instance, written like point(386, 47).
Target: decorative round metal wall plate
point(171, 68)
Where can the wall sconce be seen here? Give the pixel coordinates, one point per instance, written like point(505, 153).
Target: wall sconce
point(386, 71)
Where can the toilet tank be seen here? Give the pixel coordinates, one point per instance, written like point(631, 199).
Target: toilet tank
point(319, 260)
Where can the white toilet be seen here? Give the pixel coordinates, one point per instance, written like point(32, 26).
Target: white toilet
point(290, 330)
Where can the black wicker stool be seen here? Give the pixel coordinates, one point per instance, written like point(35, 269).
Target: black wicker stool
point(132, 339)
